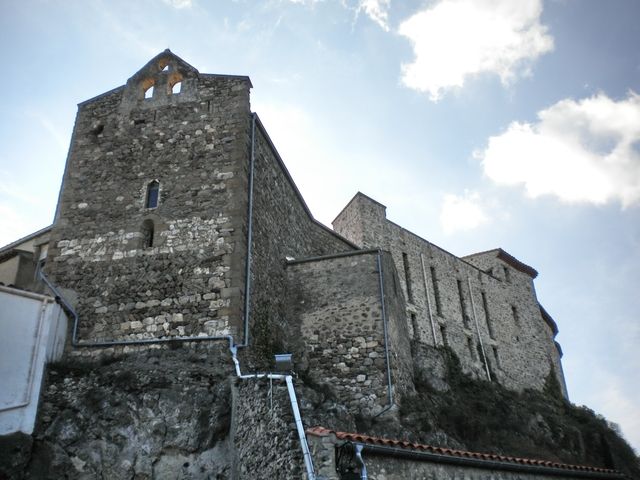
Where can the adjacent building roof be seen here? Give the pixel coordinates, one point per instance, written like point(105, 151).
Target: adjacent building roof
point(449, 455)
point(547, 318)
point(8, 249)
point(509, 260)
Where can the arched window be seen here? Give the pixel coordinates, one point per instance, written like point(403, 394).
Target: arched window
point(147, 87)
point(153, 190)
point(147, 233)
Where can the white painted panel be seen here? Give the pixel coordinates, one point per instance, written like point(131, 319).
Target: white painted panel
point(33, 331)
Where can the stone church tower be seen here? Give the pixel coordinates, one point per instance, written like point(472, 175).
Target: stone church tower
point(149, 238)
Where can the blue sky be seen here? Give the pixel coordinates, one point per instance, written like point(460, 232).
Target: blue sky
point(479, 123)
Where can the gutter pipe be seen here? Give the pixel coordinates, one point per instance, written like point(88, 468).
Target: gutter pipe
point(247, 273)
point(363, 470)
point(386, 334)
point(475, 318)
point(426, 294)
point(481, 463)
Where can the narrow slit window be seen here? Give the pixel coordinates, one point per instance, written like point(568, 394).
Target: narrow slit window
point(496, 356)
point(407, 276)
point(436, 291)
point(472, 350)
point(516, 316)
point(507, 274)
point(463, 307)
point(153, 190)
point(487, 316)
point(414, 325)
point(147, 233)
point(443, 334)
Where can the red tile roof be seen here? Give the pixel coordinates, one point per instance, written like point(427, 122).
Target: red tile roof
point(449, 452)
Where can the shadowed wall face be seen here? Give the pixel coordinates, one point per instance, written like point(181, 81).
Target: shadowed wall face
point(480, 306)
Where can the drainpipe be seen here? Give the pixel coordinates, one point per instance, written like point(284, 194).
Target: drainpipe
point(426, 294)
point(247, 273)
point(306, 453)
point(475, 318)
point(386, 334)
point(363, 471)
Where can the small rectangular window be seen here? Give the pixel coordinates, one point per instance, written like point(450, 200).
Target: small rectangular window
point(472, 351)
point(407, 277)
point(436, 291)
point(153, 190)
point(496, 356)
point(514, 313)
point(443, 334)
point(414, 325)
point(487, 316)
point(507, 274)
point(463, 307)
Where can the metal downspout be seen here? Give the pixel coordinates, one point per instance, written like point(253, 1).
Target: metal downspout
point(386, 335)
point(426, 294)
point(363, 471)
point(247, 281)
point(308, 461)
point(475, 318)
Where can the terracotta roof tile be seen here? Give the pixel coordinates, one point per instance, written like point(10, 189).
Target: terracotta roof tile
point(367, 439)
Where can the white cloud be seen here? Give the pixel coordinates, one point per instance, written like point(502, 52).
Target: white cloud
point(584, 151)
point(461, 213)
point(179, 3)
point(456, 39)
point(377, 10)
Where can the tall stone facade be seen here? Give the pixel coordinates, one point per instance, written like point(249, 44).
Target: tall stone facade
point(483, 306)
point(149, 234)
point(163, 194)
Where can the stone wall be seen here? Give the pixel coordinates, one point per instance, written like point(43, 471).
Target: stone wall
point(159, 412)
point(337, 304)
point(195, 144)
point(446, 295)
point(282, 227)
point(265, 435)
